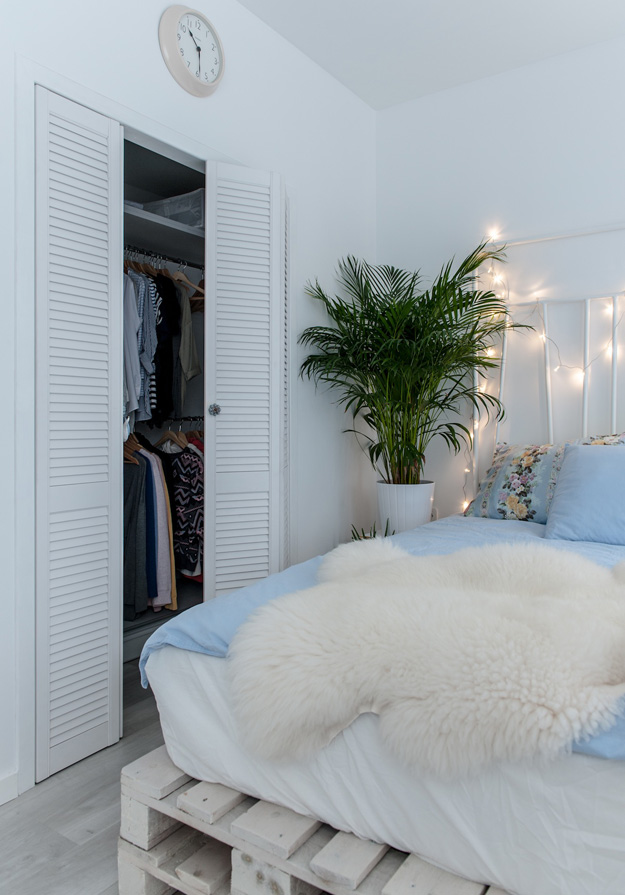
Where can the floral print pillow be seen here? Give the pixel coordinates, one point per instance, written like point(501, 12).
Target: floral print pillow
point(603, 439)
point(520, 483)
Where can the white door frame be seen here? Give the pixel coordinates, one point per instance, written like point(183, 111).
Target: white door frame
point(28, 75)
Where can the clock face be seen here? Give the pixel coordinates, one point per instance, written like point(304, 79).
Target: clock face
point(191, 49)
point(199, 48)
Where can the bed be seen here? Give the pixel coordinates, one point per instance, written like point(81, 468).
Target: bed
point(555, 828)
point(532, 829)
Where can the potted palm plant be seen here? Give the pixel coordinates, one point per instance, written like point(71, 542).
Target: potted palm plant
point(403, 360)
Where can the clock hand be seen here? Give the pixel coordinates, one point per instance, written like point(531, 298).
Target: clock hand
point(193, 39)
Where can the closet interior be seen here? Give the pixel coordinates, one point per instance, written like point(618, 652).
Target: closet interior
point(163, 311)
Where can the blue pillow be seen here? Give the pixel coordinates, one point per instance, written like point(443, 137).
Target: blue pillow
point(520, 484)
point(589, 499)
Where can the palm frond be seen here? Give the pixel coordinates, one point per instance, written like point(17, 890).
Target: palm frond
point(402, 359)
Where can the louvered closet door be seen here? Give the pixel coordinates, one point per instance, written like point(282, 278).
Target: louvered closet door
point(245, 276)
point(79, 431)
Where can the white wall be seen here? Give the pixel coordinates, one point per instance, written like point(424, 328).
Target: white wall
point(275, 110)
point(534, 151)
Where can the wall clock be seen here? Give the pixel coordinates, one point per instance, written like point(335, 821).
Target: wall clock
point(191, 49)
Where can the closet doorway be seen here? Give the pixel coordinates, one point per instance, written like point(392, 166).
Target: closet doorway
point(104, 192)
point(164, 258)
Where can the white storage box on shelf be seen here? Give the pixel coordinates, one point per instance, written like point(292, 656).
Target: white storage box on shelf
point(186, 209)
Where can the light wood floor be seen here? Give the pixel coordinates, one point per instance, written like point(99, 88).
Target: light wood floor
point(60, 838)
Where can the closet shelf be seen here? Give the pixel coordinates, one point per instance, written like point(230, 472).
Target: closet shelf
point(162, 235)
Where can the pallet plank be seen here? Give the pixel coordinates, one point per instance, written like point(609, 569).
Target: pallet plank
point(207, 869)
point(414, 877)
point(132, 880)
point(144, 826)
point(278, 830)
point(154, 774)
point(179, 845)
point(209, 801)
point(347, 860)
point(450, 884)
point(131, 856)
point(252, 876)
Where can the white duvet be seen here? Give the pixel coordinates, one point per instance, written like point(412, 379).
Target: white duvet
point(557, 829)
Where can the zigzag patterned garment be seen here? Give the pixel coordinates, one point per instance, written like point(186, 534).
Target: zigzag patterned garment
point(188, 498)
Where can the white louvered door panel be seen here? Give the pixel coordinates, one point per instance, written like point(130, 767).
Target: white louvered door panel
point(79, 435)
point(285, 399)
point(244, 215)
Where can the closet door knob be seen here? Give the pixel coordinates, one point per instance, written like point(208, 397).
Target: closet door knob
point(214, 409)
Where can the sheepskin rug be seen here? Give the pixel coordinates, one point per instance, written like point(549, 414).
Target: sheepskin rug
point(499, 653)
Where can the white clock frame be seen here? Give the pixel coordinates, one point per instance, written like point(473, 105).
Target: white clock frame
point(168, 40)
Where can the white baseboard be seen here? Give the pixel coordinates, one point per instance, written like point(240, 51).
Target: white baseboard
point(8, 788)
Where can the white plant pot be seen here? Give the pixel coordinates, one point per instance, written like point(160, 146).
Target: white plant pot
point(405, 506)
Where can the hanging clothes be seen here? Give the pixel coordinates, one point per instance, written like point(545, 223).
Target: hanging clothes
point(188, 476)
point(163, 561)
point(164, 495)
point(132, 364)
point(167, 329)
point(189, 363)
point(135, 579)
point(146, 339)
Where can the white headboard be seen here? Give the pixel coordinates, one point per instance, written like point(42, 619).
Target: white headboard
point(566, 379)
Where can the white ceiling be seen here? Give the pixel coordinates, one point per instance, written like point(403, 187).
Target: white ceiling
point(390, 51)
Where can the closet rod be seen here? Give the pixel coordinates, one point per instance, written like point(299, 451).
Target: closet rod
point(160, 256)
point(183, 419)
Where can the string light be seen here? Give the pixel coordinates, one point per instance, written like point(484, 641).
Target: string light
point(465, 504)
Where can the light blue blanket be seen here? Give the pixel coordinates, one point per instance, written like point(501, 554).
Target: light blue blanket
point(209, 627)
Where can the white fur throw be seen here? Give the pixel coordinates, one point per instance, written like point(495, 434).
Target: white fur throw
point(495, 653)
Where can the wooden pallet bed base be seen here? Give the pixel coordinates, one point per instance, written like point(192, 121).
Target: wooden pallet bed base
point(181, 835)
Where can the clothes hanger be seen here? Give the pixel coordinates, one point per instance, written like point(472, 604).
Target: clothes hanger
point(133, 442)
point(199, 290)
point(130, 446)
point(163, 270)
point(149, 269)
point(178, 438)
point(181, 277)
point(183, 441)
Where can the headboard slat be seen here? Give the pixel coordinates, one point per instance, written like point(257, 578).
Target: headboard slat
point(547, 359)
point(586, 370)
